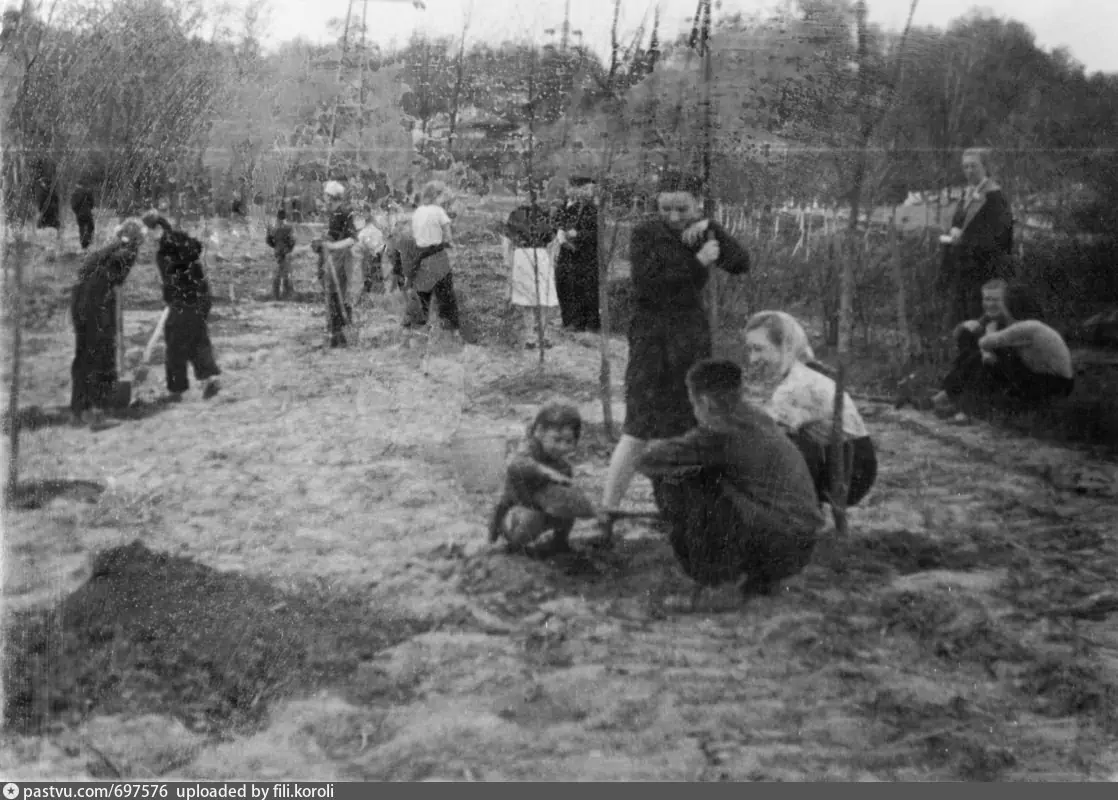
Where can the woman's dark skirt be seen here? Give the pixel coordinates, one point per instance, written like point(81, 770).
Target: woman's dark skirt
point(861, 463)
point(662, 348)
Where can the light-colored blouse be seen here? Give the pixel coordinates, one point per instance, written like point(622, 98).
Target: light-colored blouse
point(805, 397)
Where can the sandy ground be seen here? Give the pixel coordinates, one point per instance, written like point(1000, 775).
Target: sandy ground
point(948, 637)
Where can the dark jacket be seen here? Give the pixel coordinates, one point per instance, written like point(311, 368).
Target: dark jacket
point(583, 218)
point(93, 300)
point(984, 250)
point(281, 239)
point(184, 281)
point(667, 277)
point(82, 202)
point(526, 485)
point(757, 465)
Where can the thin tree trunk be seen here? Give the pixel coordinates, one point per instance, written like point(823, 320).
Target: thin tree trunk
point(540, 338)
point(459, 78)
point(605, 379)
point(898, 279)
point(338, 82)
point(361, 95)
point(708, 146)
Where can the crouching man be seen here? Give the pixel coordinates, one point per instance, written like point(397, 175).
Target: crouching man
point(735, 490)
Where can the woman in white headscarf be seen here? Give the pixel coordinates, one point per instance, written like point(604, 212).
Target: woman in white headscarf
point(801, 399)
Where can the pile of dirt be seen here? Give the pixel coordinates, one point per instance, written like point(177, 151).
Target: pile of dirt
point(154, 633)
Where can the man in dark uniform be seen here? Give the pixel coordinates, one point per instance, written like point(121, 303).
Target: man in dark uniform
point(576, 269)
point(82, 203)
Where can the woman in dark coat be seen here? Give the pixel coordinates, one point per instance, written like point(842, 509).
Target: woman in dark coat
point(671, 256)
point(979, 246)
point(576, 269)
point(94, 314)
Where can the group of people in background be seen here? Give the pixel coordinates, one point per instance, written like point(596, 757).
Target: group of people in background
point(739, 455)
point(552, 257)
point(739, 459)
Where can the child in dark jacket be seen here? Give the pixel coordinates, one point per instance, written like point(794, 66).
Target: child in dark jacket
point(735, 490)
point(281, 238)
point(538, 496)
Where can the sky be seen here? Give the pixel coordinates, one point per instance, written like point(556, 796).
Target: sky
point(1085, 27)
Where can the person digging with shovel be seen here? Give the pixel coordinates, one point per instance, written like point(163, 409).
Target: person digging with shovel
point(93, 310)
point(341, 236)
point(189, 300)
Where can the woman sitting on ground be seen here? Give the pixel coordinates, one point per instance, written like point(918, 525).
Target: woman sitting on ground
point(800, 397)
point(1025, 365)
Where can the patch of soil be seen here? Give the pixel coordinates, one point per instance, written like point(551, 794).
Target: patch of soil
point(1062, 687)
point(951, 627)
point(157, 633)
point(907, 553)
point(533, 387)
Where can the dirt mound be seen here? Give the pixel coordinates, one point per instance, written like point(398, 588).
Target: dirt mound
point(156, 633)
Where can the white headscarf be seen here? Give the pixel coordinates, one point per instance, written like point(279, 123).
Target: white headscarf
point(794, 345)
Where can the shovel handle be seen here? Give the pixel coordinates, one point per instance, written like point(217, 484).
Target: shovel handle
point(119, 292)
point(617, 513)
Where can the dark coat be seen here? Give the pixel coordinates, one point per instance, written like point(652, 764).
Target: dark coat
point(82, 202)
point(281, 239)
point(669, 330)
point(984, 251)
point(93, 313)
point(180, 267)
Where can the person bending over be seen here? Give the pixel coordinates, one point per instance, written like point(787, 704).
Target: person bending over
point(186, 291)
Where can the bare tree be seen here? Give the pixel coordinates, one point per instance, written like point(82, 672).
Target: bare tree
point(869, 122)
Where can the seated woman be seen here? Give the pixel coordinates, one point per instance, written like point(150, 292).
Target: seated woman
point(801, 399)
point(1024, 365)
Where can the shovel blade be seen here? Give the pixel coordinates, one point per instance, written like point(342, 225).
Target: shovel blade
point(122, 395)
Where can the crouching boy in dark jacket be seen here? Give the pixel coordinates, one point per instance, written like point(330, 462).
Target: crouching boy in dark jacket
point(735, 490)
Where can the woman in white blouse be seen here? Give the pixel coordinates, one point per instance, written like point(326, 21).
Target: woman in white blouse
point(795, 393)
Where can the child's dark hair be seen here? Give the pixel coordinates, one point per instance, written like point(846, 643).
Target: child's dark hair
point(281, 215)
point(718, 379)
point(557, 416)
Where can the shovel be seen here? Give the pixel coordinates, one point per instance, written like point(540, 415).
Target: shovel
point(122, 391)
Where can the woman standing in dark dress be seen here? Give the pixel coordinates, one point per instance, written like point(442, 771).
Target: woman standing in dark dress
point(576, 269)
point(671, 256)
point(94, 314)
point(979, 246)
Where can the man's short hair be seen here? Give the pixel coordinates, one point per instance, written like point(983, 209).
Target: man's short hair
point(995, 283)
point(717, 378)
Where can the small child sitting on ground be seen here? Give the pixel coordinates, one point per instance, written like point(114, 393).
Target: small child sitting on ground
point(538, 496)
point(735, 490)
